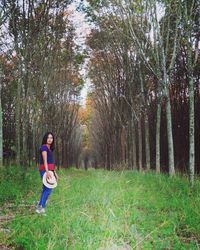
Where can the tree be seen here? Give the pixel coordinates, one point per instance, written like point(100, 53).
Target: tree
point(3, 15)
point(191, 40)
point(46, 78)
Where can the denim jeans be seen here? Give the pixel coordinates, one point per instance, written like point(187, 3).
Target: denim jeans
point(45, 192)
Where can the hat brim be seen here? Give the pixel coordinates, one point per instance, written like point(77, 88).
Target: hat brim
point(47, 183)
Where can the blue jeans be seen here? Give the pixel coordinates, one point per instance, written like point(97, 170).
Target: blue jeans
point(45, 192)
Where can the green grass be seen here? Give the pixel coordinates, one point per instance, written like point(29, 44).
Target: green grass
point(98, 209)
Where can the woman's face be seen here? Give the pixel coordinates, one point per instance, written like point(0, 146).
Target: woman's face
point(50, 139)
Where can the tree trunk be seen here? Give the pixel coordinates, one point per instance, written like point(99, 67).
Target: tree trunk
point(140, 143)
point(168, 113)
point(170, 134)
point(34, 155)
point(18, 124)
point(147, 144)
point(191, 119)
point(25, 136)
point(129, 148)
point(123, 143)
point(191, 132)
point(134, 146)
point(108, 165)
point(1, 133)
point(146, 122)
point(158, 118)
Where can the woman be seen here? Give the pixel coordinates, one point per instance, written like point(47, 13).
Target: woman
point(46, 164)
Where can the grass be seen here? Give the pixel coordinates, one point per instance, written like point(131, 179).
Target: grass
point(98, 209)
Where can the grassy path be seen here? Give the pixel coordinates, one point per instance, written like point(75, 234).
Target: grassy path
point(107, 210)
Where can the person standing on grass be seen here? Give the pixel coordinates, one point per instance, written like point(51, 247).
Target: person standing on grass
point(46, 165)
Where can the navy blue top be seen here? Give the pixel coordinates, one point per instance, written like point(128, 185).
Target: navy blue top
point(50, 160)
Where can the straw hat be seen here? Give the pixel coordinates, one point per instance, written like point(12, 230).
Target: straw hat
point(50, 183)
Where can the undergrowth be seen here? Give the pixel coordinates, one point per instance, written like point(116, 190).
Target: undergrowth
point(98, 209)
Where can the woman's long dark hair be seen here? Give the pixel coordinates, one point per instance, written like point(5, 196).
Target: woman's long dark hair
point(44, 140)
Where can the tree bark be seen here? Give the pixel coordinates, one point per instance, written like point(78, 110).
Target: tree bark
point(170, 134)
point(140, 143)
point(146, 122)
point(191, 132)
point(147, 143)
point(158, 119)
point(18, 123)
point(134, 146)
point(1, 132)
point(191, 120)
point(189, 17)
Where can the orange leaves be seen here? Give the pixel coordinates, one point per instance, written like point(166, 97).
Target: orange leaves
point(85, 113)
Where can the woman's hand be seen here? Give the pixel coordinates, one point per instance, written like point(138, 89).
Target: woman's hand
point(48, 175)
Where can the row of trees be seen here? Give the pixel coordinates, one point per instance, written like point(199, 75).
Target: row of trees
point(40, 83)
point(145, 73)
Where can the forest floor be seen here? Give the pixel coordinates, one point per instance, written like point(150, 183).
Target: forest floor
point(98, 209)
